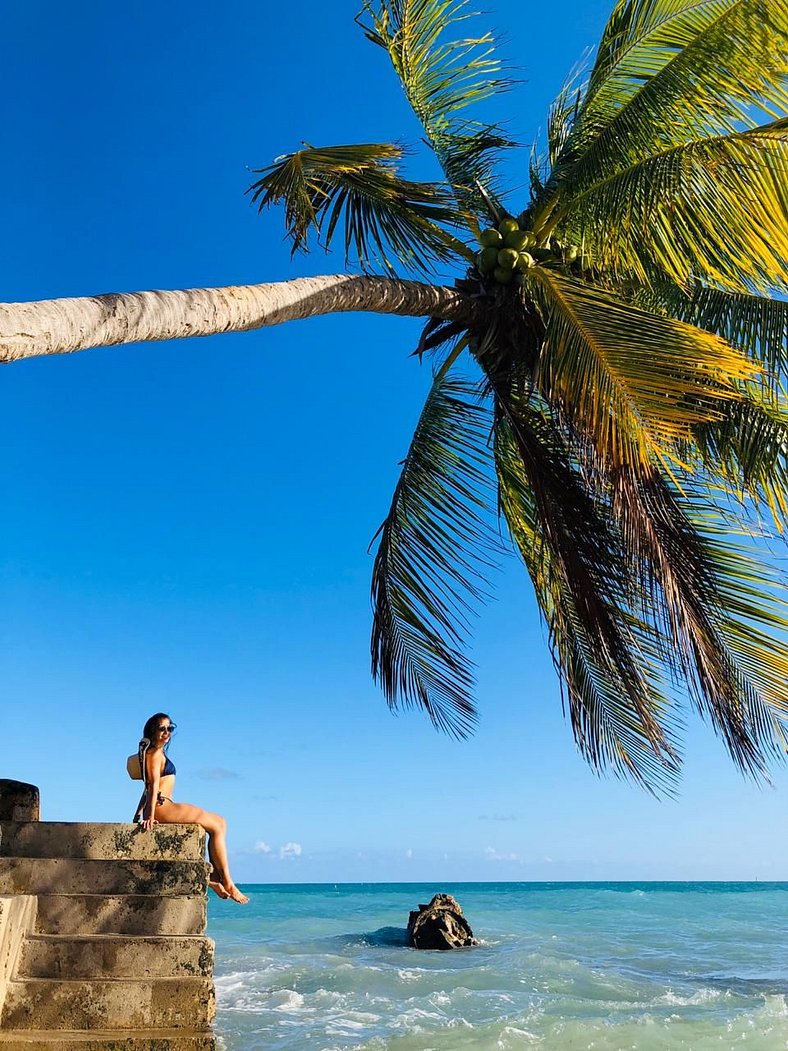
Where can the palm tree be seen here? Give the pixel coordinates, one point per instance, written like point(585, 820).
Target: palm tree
point(606, 368)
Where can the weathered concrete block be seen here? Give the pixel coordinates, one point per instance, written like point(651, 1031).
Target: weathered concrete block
point(19, 801)
point(17, 918)
point(106, 841)
point(117, 960)
point(115, 956)
point(107, 1040)
point(120, 914)
point(122, 1003)
point(75, 876)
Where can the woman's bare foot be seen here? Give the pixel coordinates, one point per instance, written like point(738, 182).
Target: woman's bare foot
point(235, 894)
point(219, 889)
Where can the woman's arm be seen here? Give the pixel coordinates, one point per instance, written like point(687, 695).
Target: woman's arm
point(140, 805)
point(154, 764)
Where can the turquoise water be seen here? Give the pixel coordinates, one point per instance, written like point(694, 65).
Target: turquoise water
point(602, 966)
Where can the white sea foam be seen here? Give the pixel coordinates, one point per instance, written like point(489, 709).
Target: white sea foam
point(236, 991)
point(702, 996)
point(415, 1019)
point(776, 1007)
point(409, 974)
point(511, 1037)
point(327, 998)
point(350, 1023)
point(440, 999)
point(226, 984)
point(286, 1000)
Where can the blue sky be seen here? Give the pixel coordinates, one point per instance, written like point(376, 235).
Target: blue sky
point(185, 525)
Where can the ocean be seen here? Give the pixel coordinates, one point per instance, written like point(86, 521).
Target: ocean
point(602, 966)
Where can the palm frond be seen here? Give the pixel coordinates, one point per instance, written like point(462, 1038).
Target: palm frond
point(690, 593)
point(757, 325)
point(636, 33)
point(673, 72)
point(563, 114)
point(437, 333)
point(603, 653)
point(384, 216)
point(634, 383)
point(752, 623)
point(442, 76)
point(435, 550)
point(640, 38)
point(713, 210)
point(639, 585)
point(469, 157)
point(537, 173)
point(748, 450)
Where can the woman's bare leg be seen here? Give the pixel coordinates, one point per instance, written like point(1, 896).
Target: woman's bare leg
point(218, 889)
point(217, 852)
point(216, 827)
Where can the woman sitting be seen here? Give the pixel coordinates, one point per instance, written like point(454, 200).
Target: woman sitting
point(157, 806)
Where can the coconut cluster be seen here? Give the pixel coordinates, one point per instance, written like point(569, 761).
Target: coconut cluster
point(504, 251)
point(507, 250)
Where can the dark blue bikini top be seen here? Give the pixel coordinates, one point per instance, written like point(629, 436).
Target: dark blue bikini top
point(169, 768)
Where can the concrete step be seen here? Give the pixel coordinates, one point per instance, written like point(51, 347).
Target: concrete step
point(107, 1040)
point(120, 914)
point(115, 956)
point(72, 839)
point(120, 1003)
point(76, 875)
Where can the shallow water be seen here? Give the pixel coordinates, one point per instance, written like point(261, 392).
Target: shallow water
point(602, 966)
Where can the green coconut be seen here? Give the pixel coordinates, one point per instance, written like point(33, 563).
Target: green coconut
point(487, 260)
point(507, 226)
point(503, 275)
point(490, 238)
point(517, 239)
point(571, 253)
point(525, 261)
point(507, 258)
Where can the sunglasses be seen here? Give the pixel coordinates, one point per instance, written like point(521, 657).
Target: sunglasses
point(166, 729)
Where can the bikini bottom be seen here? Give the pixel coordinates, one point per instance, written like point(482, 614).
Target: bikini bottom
point(160, 801)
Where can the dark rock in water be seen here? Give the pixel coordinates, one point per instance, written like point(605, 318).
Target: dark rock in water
point(440, 925)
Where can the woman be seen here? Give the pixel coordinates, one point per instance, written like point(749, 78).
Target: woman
point(158, 807)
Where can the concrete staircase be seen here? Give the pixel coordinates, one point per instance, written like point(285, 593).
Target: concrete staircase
point(111, 953)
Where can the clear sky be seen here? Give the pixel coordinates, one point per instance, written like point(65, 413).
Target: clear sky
point(185, 525)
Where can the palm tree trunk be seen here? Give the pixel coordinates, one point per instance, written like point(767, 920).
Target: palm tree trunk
point(59, 326)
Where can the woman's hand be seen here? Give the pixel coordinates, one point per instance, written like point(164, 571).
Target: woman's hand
point(148, 823)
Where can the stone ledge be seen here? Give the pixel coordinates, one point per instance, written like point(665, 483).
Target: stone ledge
point(103, 841)
point(107, 1040)
point(109, 1003)
point(115, 956)
point(121, 914)
point(77, 875)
